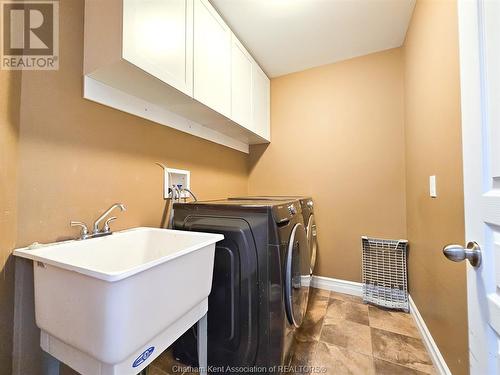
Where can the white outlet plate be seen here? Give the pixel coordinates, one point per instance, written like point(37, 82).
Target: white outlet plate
point(177, 177)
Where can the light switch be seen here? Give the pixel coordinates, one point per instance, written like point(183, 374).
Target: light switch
point(432, 186)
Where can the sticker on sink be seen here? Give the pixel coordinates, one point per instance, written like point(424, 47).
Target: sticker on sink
point(143, 357)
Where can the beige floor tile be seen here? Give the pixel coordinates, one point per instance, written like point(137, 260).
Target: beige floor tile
point(168, 364)
point(154, 370)
point(394, 321)
point(304, 353)
point(313, 321)
point(322, 293)
point(346, 297)
point(339, 361)
point(190, 371)
point(310, 330)
point(341, 310)
point(388, 368)
point(349, 335)
point(400, 349)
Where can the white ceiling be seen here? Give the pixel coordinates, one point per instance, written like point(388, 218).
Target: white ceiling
point(286, 36)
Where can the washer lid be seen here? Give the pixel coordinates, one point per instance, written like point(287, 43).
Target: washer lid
point(297, 276)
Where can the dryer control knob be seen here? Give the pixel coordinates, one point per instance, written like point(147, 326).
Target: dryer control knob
point(292, 209)
point(310, 204)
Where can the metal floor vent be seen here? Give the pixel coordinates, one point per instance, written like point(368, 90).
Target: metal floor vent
point(385, 281)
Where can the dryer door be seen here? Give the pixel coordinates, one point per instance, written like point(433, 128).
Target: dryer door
point(311, 239)
point(297, 276)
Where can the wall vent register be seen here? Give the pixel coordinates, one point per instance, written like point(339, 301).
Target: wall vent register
point(385, 281)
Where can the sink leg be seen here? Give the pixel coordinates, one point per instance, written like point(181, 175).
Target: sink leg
point(202, 345)
point(50, 365)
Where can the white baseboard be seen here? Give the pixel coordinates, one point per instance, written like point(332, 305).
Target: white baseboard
point(337, 285)
point(430, 344)
point(356, 289)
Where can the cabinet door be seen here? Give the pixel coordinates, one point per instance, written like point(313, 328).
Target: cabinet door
point(212, 59)
point(158, 38)
point(241, 85)
point(261, 103)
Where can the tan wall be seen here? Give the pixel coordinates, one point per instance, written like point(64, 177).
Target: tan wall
point(10, 85)
point(337, 135)
point(78, 157)
point(433, 147)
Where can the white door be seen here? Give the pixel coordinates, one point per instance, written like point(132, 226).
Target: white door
point(261, 103)
point(212, 59)
point(479, 33)
point(241, 85)
point(158, 38)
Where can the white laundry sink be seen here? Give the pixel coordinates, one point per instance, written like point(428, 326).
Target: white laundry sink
point(110, 305)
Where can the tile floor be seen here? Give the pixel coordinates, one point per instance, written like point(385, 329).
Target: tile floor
point(342, 335)
point(346, 336)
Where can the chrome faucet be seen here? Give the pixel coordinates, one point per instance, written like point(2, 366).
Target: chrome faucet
point(84, 233)
point(103, 216)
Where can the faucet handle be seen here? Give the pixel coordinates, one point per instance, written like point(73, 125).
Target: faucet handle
point(106, 228)
point(84, 231)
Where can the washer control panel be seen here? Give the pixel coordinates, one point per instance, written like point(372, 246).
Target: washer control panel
point(286, 211)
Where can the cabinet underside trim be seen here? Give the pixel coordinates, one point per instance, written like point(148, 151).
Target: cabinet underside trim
point(101, 93)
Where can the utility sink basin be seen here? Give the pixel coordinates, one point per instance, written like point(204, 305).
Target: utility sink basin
point(110, 305)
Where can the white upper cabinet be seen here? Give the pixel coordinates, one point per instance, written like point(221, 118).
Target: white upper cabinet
point(212, 58)
point(261, 103)
point(158, 38)
point(177, 63)
point(241, 85)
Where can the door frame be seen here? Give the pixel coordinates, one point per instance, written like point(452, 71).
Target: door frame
point(475, 128)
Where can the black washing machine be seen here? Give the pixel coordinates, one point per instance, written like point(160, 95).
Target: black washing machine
point(307, 208)
point(260, 284)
